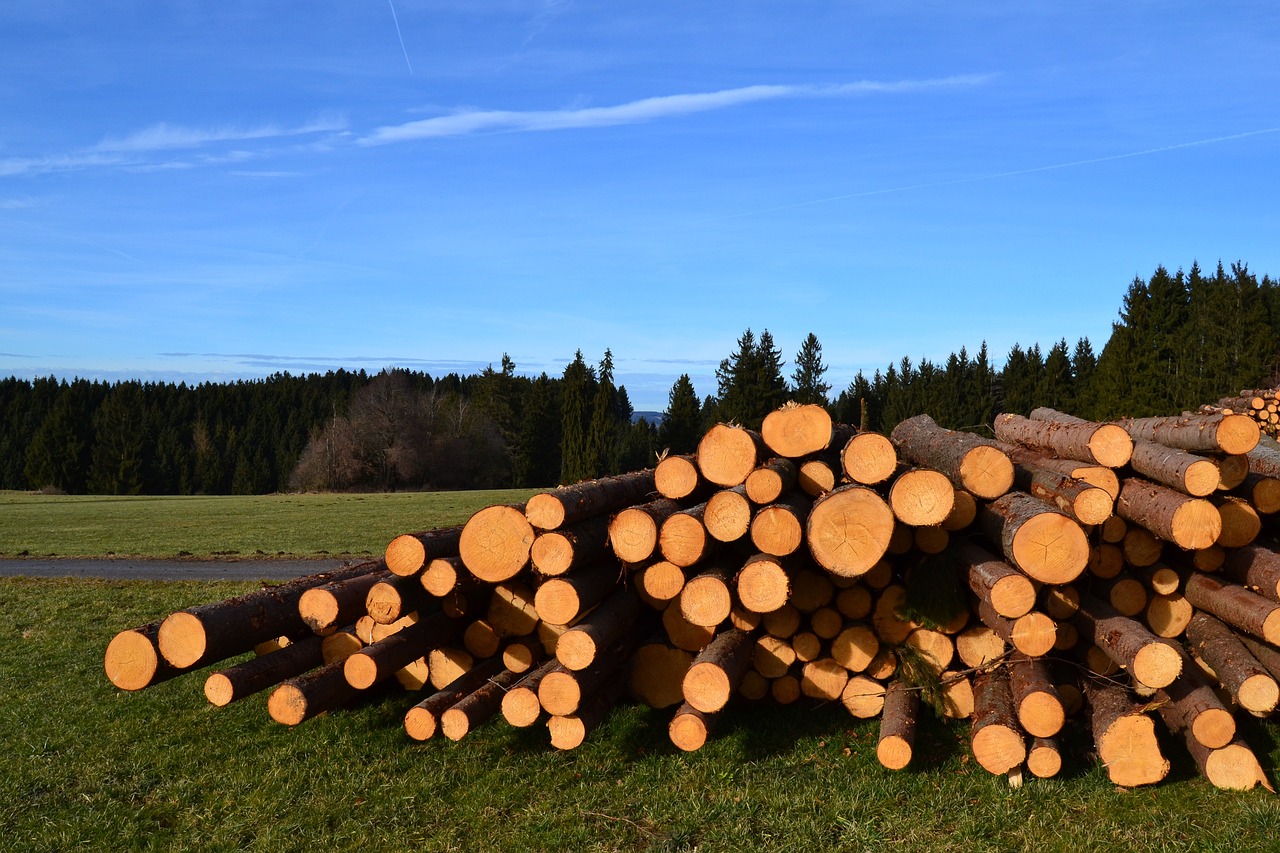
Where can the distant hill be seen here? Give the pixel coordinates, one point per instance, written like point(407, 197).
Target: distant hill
point(655, 418)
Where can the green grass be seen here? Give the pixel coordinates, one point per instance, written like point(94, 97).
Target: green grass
point(89, 767)
point(226, 526)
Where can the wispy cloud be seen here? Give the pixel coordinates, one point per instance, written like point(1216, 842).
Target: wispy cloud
point(165, 137)
point(643, 110)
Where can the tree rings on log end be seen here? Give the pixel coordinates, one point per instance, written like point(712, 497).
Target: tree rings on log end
point(727, 516)
point(1051, 548)
point(287, 705)
point(219, 690)
point(763, 585)
point(688, 732)
point(131, 660)
point(1235, 768)
point(676, 477)
point(1238, 434)
point(495, 543)
point(1258, 695)
point(863, 697)
point(1201, 478)
point(706, 687)
point(634, 535)
point(544, 511)
point(405, 555)
point(1157, 665)
point(1044, 761)
point(182, 639)
point(1034, 634)
point(849, 530)
point(1093, 506)
point(1111, 446)
point(986, 472)
point(921, 497)
point(1130, 752)
point(559, 693)
point(1196, 524)
point(894, 752)
point(999, 748)
point(727, 454)
point(797, 430)
point(869, 458)
point(576, 650)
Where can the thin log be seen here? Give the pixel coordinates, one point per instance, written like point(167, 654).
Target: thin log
point(1042, 542)
point(1054, 434)
point(1247, 680)
point(570, 731)
point(1035, 698)
point(973, 464)
point(633, 533)
point(583, 644)
point(1189, 704)
point(771, 479)
point(1084, 502)
point(394, 597)
point(995, 736)
point(819, 475)
point(324, 608)
point(921, 497)
point(562, 691)
point(1044, 758)
point(964, 509)
point(898, 725)
point(299, 699)
point(478, 706)
point(562, 600)
point(848, 530)
point(1097, 476)
point(863, 697)
point(408, 553)
point(1177, 469)
point(380, 660)
point(1151, 660)
point(1235, 605)
point(689, 728)
point(567, 504)
point(422, 721)
point(226, 686)
point(1033, 634)
point(1010, 592)
point(683, 538)
point(1168, 615)
point(1218, 433)
point(762, 584)
point(1240, 522)
point(659, 583)
point(713, 678)
point(520, 705)
point(557, 552)
point(133, 661)
point(683, 633)
point(980, 645)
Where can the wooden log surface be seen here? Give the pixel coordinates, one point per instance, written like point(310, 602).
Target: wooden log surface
point(1055, 434)
point(567, 504)
point(974, 464)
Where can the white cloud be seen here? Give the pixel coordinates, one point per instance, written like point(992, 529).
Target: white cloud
point(164, 136)
point(634, 112)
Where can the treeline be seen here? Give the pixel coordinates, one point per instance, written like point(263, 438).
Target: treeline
point(1181, 339)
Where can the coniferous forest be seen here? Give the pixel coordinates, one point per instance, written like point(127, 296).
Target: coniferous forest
point(1181, 339)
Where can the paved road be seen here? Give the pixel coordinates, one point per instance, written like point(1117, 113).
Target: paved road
point(166, 570)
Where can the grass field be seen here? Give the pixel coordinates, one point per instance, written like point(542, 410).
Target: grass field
point(33, 525)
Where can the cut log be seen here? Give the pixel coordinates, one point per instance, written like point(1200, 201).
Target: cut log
point(1168, 615)
point(495, 543)
point(868, 459)
point(683, 633)
point(340, 645)
point(930, 540)
point(657, 674)
point(324, 608)
point(964, 509)
point(973, 464)
point(848, 530)
point(819, 476)
point(779, 528)
point(556, 552)
point(1054, 434)
point(1240, 522)
point(979, 646)
point(854, 602)
point(1095, 475)
point(921, 497)
point(1035, 698)
point(477, 707)
point(1232, 471)
point(811, 590)
point(728, 453)
point(1177, 469)
point(995, 736)
point(1264, 654)
point(1263, 493)
point(677, 477)
point(863, 697)
point(797, 430)
point(713, 678)
point(299, 699)
point(1248, 682)
point(887, 617)
point(771, 480)
point(1033, 634)
point(224, 687)
point(563, 600)
point(1189, 704)
point(582, 645)
point(444, 576)
point(1084, 502)
point(659, 583)
point(512, 611)
point(1235, 605)
point(762, 584)
point(898, 725)
point(394, 597)
point(689, 728)
point(1044, 758)
point(563, 691)
point(212, 632)
point(380, 660)
point(807, 646)
point(520, 655)
point(753, 686)
point(784, 690)
point(957, 696)
point(1010, 592)
point(855, 647)
point(633, 533)
point(422, 721)
point(826, 622)
point(707, 597)
point(481, 640)
point(1125, 737)
point(567, 504)
point(1151, 660)
point(520, 705)
point(683, 538)
point(133, 661)
point(772, 657)
point(447, 663)
point(883, 665)
point(823, 679)
point(408, 553)
point(1042, 542)
point(728, 514)
point(1219, 433)
point(1233, 767)
point(1126, 594)
point(1141, 547)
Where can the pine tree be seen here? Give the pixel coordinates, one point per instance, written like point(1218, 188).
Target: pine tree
point(1056, 388)
point(682, 427)
point(603, 431)
point(807, 380)
point(119, 448)
point(538, 460)
point(574, 412)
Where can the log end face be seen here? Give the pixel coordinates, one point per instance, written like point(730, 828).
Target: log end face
point(1238, 434)
point(676, 477)
point(863, 697)
point(520, 708)
point(544, 511)
point(566, 732)
point(797, 430)
point(763, 586)
point(1259, 694)
point(360, 671)
point(999, 748)
point(633, 535)
point(1034, 634)
point(318, 609)
point(1013, 596)
point(495, 543)
point(1235, 768)
point(131, 660)
point(420, 724)
point(849, 531)
point(1214, 727)
point(556, 602)
point(552, 554)
point(219, 690)
point(1157, 665)
point(559, 694)
point(728, 516)
point(287, 705)
point(1044, 762)
point(986, 472)
point(688, 732)
point(706, 687)
point(454, 724)
point(576, 650)
point(869, 458)
point(1051, 548)
point(1111, 446)
point(894, 752)
point(1041, 714)
point(1093, 506)
point(726, 455)
point(182, 639)
point(1196, 524)
point(405, 555)
point(1131, 753)
point(1201, 478)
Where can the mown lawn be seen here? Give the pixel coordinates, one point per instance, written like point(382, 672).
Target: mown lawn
point(89, 767)
point(330, 525)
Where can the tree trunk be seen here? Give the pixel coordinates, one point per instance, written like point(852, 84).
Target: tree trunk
point(921, 497)
point(1035, 698)
point(1082, 501)
point(1177, 469)
point(299, 699)
point(1125, 737)
point(478, 706)
point(224, 687)
point(1235, 605)
point(1220, 433)
point(728, 514)
point(582, 645)
point(1233, 767)
point(771, 480)
point(848, 530)
point(1039, 540)
point(1010, 592)
point(633, 533)
point(1189, 704)
point(326, 607)
point(556, 552)
point(898, 725)
point(727, 454)
point(1054, 434)
point(996, 738)
point(1151, 660)
point(561, 601)
point(408, 553)
point(973, 464)
point(868, 459)
point(495, 543)
point(683, 539)
point(797, 430)
point(567, 504)
point(713, 678)
point(1248, 681)
point(422, 721)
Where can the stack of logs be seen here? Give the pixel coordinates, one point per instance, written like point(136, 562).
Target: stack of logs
point(1263, 405)
point(1113, 573)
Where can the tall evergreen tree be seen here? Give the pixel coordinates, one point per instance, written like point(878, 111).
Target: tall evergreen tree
point(750, 381)
point(575, 464)
point(538, 461)
point(682, 427)
point(120, 438)
point(603, 430)
point(807, 380)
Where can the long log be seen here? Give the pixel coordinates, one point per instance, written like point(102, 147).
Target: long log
point(898, 725)
point(226, 686)
point(1097, 476)
point(1218, 433)
point(569, 731)
point(1125, 737)
point(1042, 542)
point(299, 699)
point(1033, 634)
point(324, 608)
point(995, 737)
point(520, 705)
point(133, 661)
point(1055, 434)
point(973, 464)
point(567, 504)
point(728, 453)
point(1010, 592)
point(1035, 698)
point(1177, 469)
point(848, 530)
point(478, 706)
point(422, 721)
point(408, 553)
point(1235, 605)
point(1151, 660)
point(1248, 682)
point(380, 660)
point(1190, 704)
point(562, 690)
point(562, 600)
point(1082, 501)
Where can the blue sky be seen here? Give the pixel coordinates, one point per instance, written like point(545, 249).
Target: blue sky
point(200, 190)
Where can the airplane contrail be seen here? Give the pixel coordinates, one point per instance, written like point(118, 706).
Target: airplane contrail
point(400, 36)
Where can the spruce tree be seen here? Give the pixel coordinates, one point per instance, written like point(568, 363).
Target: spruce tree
point(682, 427)
point(574, 412)
point(807, 382)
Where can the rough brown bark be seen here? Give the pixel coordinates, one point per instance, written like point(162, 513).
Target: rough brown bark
point(132, 660)
point(797, 430)
point(1054, 434)
point(581, 646)
point(728, 514)
point(677, 477)
point(728, 453)
point(1077, 499)
point(324, 608)
point(921, 497)
point(1233, 767)
point(779, 528)
point(1097, 476)
point(713, 678)
point(478, 706)
point(1185, 521)
point(1218, 433)
point(563, 600)
point(868, 458)
point(299, 699)
point(771, 479)
point(567, 504)
point(557, 552)
point(1190, 704)
point(224, 687)
point(422, 721)
point(1151, 660)
point(973, 464)
point(1010, 592)
point(898, 725)
point(1125, 737)
point(408, 553)
point(1235, 605)
point(683, 538)
point(1035, 698)
point(1177, 469)
point(380, 660)
point(995, 736)
point(848, 530)
point(1039, 540)
point(1264, 460)
point(633, 533)
point(1248, 681)
point(495, 543)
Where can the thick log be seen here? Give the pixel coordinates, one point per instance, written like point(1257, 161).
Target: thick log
point(778, 528)
point(689, 728)
point(728, 514)
point(1190, 705)
point(996, 739)
point(299, 699)
point(224, 687)
point(1010, 592)
point(495, 543)
point(409, 552)
point(520, 705)
point(854, 602)
point(324, 608)
point(898, 725)
point(659, 583)
point(633, 533)
point(1177, 469)
point(557, 552)
point(1233, 767)
point(1035, 698)
point(964, 509)
point(567, 504)
point(1042, 542)
point(771, 479)
point(797, 430)
point(973, 464)
point(713, 678)
point(395, 597)
point(848, 530)
point(677, 477)
point(707, 597)
point(772, 657)
point(1125, 737)
point(582, 645)
point(562, 600)
point(380, 660)
point(447, 663)
point(1268, 656)
point(868, 458)
point(1263, 493)
point(213, 632)
point(823, 679)
point(1097, 476)
point(478, 706)
point(1151, 660)
point(855, 647)
point(1218, 433)
point(1240, 522)
point(683, 538)
point(1264, 460)
point(570, 731)
point(422, 721)
point(1054, 434)
point(921, 497)
point(727, 454)
point(1235, 605)
point(1248, 681)
point(132, 660)
point(657, 674)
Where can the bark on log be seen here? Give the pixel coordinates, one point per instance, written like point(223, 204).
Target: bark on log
point(520, 705)
point(324, 608)
point(689, 728)
point(728, 514)
point(713, 678)
point(408, 553)
point(1219, 433)
point(1248, 681)
point(1233, 767)
point(797, 430)
point(563, 600)
point(778, 528)
point(212, 632)
point(683, 538)
point(848, 530)
point(1010, 592)
point(633, 533)
point(973, 464)
point(557, 552)
point(727, 454)
point(495, 543)
point(1042, 542)
point(1235, 605)
point(567, 504)
point(868, 459)
point(380, 660)
point(1035, 698)
point(921, 497)
point(1097, 476)
point(1189, 704)
point(1264, 460)
point(582, 645)
point(132, 660)
point(677, 477)
point(478, 706)
point(770, 480)
point(224, 687)
point(996, 739)
point(898, 725)
point(1054, 434)
point(1151, 660)
point(1185, 521)
point(1177, 469)
point(1125, 737)
point(299, 699)
point(422, 721)
point(570, 731)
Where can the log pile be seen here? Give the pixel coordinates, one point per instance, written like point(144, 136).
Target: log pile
point(1263, 405)
point(1112, 577)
